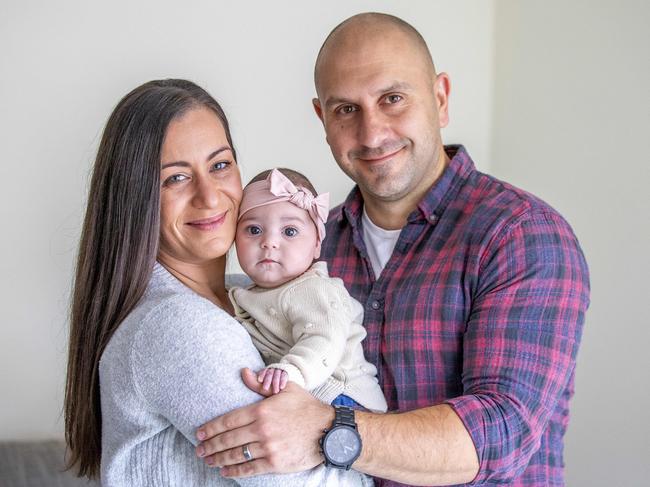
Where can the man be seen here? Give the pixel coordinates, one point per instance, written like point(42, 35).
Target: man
point(474, 293)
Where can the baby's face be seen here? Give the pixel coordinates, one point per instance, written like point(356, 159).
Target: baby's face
point(276, 243)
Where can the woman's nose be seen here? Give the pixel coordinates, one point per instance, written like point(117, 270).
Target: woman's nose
point(206, 194)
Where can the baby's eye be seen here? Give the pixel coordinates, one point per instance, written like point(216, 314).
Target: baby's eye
point(253, 230)
point(291, 231)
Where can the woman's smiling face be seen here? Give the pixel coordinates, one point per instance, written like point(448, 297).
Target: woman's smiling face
point(200, 189)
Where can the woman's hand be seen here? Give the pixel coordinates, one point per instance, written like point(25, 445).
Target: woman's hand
point(272, 377)
point(281, 433)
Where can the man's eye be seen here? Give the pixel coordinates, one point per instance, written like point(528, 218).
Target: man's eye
point(393, 98)
point(346, 109)
point(291, 231)
point(254, 230)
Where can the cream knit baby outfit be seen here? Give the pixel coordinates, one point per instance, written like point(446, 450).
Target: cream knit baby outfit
point(312, 328)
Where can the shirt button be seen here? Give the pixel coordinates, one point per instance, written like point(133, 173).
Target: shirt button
point(375, 305)
point(433, 218)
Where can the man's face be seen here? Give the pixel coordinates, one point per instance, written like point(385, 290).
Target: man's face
point(382, 108)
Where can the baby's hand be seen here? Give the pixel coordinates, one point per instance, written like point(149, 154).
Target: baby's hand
point(272, 377)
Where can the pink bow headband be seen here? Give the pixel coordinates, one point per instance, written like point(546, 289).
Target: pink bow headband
point(277, 188)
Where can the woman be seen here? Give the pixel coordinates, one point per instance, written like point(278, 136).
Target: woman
point(154, 351)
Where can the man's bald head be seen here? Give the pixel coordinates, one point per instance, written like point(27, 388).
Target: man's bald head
point(350, 33)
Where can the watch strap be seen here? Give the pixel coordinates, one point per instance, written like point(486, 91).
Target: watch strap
point(344, 416)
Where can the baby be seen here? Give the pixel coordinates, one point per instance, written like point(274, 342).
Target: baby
point(304, 323)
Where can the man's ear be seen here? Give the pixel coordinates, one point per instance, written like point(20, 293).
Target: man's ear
point(441, 92)
point(317, 108)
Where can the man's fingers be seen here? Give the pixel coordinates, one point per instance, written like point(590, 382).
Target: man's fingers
point(230, 440)
point(229, 421)
point(235, 455)
point(247, 469)
point(260, 375)
point(250, 379)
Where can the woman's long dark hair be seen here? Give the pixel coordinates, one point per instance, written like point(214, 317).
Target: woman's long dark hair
point(119, 245)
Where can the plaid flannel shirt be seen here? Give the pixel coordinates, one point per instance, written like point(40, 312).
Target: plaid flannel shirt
point(481, 306)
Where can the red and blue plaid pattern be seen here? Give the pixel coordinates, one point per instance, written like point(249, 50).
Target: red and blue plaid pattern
point(481, 306)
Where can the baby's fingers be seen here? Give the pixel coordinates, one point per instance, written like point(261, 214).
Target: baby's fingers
point(268, 379)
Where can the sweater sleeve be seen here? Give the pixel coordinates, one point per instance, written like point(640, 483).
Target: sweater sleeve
point(521, 342)
point(320, 322)
point(186, 362)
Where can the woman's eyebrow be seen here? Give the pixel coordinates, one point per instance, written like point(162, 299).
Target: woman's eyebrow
point(187, 164)
point(177, 163)
point(218, 151)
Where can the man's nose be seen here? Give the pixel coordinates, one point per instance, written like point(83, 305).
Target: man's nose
point(372, 128)
point(206, 194)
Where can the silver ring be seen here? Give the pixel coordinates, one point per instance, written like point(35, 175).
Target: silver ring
point(247, 453)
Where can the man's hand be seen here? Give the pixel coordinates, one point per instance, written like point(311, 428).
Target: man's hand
point(281, 431)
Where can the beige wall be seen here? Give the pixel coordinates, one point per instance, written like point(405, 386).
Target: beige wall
point(572, 124)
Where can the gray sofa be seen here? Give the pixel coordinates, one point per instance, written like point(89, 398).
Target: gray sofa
point(36, 464)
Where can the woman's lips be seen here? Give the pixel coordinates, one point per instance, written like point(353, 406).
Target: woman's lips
point(210, 223)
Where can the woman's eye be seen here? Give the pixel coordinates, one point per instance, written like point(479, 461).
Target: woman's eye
point(176, 178)
point(218, 166)
point(291, 231)
point(254, 230)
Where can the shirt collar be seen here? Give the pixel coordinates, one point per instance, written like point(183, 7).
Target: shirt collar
point(432, 205)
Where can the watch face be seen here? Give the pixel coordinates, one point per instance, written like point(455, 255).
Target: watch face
point(341, 445)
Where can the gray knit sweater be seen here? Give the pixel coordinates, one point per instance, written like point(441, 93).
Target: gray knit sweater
point(172, 365)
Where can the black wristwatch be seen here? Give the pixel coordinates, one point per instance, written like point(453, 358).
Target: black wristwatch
point(341, 444)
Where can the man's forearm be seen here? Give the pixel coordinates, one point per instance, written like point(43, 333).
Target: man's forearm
point(427, 446)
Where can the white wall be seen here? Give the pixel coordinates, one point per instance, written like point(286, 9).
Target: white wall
point(572, 124)
point(567, 117)
point(65, 64)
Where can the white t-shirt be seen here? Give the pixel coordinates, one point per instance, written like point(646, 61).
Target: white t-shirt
point(379, 243)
